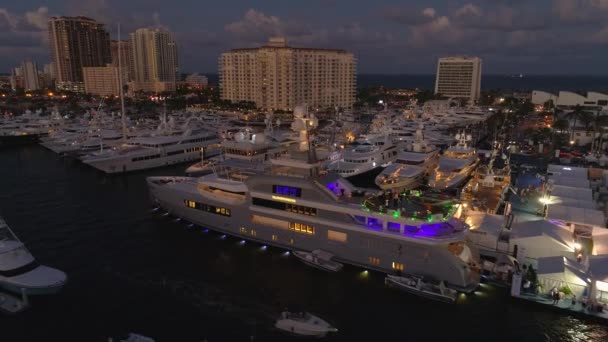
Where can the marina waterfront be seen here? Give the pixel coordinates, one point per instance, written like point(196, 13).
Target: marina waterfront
point(133, 270)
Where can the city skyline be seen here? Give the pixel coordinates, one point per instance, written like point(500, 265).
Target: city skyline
point(547, 37)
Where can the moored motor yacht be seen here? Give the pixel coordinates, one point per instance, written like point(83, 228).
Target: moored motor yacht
point(455, 165)
point(295, 206)
point(20, 272)
point(367, 154)
point(414, 162)
point(303, 323)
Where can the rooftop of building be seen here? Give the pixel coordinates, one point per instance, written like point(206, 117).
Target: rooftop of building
point(281, 43)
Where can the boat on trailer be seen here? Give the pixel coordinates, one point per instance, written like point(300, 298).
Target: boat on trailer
point(319, 259)
point(304, 324)
point(424, 288)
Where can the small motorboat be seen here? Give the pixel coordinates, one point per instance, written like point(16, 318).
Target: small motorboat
point(424, 288)
point(131, 337)
point(10, 304)
point(319, 259)
point(19, 270)
point(304, 324)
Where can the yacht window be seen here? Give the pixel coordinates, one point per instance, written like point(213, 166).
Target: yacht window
point(333, 235)
point(287, 190)
point(374, 223)
point(299, 209)
point(208, 208)
point(20, 270)
point(393, 227)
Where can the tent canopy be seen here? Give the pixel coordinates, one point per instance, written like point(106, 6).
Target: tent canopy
point(576, 215)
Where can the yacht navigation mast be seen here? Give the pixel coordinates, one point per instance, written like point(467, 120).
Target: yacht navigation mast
point(123, 118)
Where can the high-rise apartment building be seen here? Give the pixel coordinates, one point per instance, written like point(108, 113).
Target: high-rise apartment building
point(459, 77)
point(126, 58)
point(276, 76)
point(29, 72)
point(101, 81)
point(77, 42)
point(155, 61)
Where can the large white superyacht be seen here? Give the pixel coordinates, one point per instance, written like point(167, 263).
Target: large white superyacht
point(298, 208)
point(168, 148)
point(455, 165)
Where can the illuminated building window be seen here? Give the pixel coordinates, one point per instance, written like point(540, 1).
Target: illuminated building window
point(274, 237)
point(374, 260)
point(291, 241)
point(397, 266)
point(253, 233)
point(302, 228)
point(243, 230)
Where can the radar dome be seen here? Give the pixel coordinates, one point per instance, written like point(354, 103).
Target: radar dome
point(299, 111)
point(469, 137)
point(239, 137)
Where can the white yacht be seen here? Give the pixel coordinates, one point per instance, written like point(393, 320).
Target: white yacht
point(414, 162)
point(155, 151)
point(455, 165)
point(297, 207)
point(19, 271)
point(304, 324)
point(247, 148)
point(366, 154)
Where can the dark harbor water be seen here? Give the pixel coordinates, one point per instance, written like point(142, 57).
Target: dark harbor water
point(133, 270)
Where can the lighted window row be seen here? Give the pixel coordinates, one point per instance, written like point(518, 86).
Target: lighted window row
point(208, 208)
point(302, 228)
point(298, 209)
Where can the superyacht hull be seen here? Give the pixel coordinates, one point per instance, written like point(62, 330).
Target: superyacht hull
point(367, 249)
point(127, 164)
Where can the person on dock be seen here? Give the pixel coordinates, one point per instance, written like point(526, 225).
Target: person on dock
point(554, 295)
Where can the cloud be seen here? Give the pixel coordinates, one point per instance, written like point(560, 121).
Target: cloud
point(580, 11)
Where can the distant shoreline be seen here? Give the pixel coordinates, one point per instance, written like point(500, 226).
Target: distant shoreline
point(504, 82)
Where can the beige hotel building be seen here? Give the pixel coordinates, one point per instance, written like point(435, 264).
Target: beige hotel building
point(459, 77)
point(276, 76)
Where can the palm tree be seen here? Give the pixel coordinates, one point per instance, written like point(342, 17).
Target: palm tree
point(601, 121)
point(575, 114)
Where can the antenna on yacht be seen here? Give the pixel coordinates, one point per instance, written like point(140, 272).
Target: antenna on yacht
point(121, 90)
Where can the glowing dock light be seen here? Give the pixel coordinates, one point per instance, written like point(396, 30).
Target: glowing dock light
point(544, 200)
point(264, 247)
point(286, 253)
point(206, 231)
point(191, 225)
point(177, 219)
point(166, 214)
point(242, 242)
point(223, 236)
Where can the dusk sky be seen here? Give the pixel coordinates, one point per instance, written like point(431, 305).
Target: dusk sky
point(395, 37)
